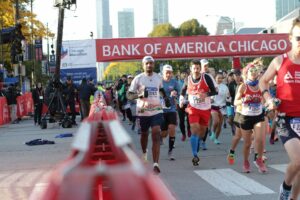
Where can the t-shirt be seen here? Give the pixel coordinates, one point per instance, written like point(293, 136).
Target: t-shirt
point(151, 105)
point(169, 87)
point(220, 98)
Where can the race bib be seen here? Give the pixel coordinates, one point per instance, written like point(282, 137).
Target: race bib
point(295, 125)
point(254, 107)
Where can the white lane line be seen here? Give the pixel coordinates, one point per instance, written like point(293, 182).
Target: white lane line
point(279, 167)
point(11, 179)
point(30, 178)
point(38, 191)
point(231, 183)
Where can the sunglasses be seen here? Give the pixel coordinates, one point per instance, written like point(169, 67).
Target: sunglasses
point(297, 38)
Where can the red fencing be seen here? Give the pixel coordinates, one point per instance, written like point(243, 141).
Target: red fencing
point(24, 107)
point(4, 111)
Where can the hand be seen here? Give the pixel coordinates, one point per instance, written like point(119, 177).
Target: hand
point(173, 93)
point(272, 104)
point(167, 102)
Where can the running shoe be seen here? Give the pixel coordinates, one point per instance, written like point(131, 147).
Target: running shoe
point(246, 166)
point(259, 163)
point(272, 141)
point(231, 158)
point(216, 141)
point(196, 160)
point(189, 133)
point(171, 155)
point(284, 194)
point(212, 136)
point(203, 146)
point(183, 138)
point(156, 169)
point(145, 156)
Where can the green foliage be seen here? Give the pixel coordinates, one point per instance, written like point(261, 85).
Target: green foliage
point(116, 69)
point(163, 30)
point(192, 27)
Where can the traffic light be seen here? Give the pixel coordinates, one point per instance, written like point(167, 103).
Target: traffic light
point(16, 46)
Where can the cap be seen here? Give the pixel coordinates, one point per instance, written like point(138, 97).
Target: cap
point(148, 59)
point(204, 62)
point(167, 68)
point(129, 76)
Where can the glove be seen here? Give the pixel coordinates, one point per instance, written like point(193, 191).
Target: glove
point(167, 102)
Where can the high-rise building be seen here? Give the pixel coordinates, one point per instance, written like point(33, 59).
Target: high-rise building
point(104, 28)
point(160, 12)
point(284, 7)
point(126, 23)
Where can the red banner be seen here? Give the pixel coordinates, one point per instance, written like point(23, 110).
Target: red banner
point(191, 47)
point(4, 111)
point(21, 106)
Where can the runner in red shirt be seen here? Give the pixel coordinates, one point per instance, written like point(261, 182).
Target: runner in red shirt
point(199, 87)
point(287, 69)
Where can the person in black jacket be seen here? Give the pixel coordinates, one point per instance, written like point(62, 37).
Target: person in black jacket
point(11, 97)
point(85, 91)
point(69, 93)
point(38, 100)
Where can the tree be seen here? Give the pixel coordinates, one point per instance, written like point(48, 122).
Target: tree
point(116, 69)
point(163, 30)
point(192, 27)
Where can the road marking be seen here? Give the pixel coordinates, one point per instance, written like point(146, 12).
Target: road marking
point(30, 178)
point(9, 180)
point(38, 191)
point(231, 183)
point(279, 167)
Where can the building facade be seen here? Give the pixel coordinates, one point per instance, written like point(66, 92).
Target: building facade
point(284, 7)
point(104, 28)
point(160, 12)
point(126, 23)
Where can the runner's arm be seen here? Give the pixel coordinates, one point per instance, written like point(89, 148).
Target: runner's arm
point(211, 85)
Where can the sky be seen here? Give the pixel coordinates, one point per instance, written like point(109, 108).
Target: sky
point(79, 23)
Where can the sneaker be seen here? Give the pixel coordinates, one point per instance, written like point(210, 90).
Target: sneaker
point(196, 160)
point(246, 166)
point(183, 138)
point(212, 136)
point(225, 125)
point(272, 141)
point(284, 194)
point(171, 156)
point(156, 169)
point(189, 133)
point(145, 156)
point(259, 163)
point(203, 146)
point(231, 158)
point(216, 141)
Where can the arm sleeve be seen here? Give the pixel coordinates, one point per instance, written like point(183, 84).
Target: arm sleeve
point(184, 88)
point(211, 85)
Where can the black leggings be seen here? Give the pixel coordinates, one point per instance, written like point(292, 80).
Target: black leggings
point(181, 115)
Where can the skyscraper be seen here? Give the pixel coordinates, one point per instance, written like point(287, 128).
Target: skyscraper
point(126, 23)
point(160, 12)
point(284, 7)
point(104, 29)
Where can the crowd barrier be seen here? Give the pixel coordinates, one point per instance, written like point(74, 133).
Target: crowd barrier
point(24, 107)
point(103, 166)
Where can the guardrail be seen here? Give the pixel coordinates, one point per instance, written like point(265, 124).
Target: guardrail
point(103, 165)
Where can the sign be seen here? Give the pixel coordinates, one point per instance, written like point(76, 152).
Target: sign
point(78, 74)
point(38, 50)
point(78, 54)
point(191, 47)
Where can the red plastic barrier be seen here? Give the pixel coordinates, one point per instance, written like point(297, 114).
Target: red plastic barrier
point(29, 105)
point(21, 106)
point(4, 111)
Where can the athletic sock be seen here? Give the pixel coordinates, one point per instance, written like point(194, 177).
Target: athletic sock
point(286, 187)
point(194, 143)
point(171, 143)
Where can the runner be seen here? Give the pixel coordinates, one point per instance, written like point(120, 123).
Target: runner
point(170, 116)
point(252, 117)
point(218, 107)
point(286, 67)
point(146, 88)
point(199, 87)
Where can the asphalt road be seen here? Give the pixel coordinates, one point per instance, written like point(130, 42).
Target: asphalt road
point(25, 168)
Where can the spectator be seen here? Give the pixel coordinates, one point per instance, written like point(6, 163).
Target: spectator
point(85, 91)
point(38, 100)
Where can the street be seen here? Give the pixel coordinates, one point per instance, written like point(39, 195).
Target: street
point(25, 168)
